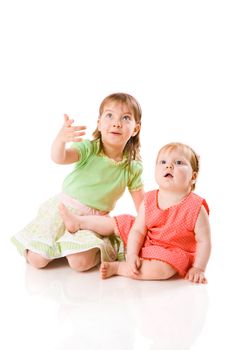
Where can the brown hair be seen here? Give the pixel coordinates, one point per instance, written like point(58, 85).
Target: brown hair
point(132, 148)
point(190, 153)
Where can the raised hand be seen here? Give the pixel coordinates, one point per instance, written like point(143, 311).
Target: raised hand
point(70, 133)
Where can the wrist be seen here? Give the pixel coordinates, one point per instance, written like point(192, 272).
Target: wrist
point(198, 268)
point(131, 254)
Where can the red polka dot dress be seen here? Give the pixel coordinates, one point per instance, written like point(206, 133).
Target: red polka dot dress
point(170, 232)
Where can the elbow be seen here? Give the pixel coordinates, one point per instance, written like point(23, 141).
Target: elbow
point(56, 159)
point(53, 158)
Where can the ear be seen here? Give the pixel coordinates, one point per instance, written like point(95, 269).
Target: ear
point(98, 123)
point(194, 177)
point(136, 129)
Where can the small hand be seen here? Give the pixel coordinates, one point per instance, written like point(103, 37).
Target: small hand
point(69, 133)
point(196, 275)
point(134, 263)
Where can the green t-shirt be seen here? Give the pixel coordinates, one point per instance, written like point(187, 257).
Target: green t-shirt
point(97, 180)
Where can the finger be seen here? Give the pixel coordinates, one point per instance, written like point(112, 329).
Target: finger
point(134, 268)
point(78, 128)
point(201, 279)
point(131, 270)
point(138, 262)
point(80, 133)
point(69, 122)
point(196, 278)
point(191, 278)
point(188, 276)
point(66, 118)
point(75, 136)
point(74, 130)
point(77, 139)
point(135, 271)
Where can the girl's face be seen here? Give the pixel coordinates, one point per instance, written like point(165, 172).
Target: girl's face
point(173, 171)
point(117, 124)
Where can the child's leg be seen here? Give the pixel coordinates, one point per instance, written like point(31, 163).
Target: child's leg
point(36, 260)
point(150, 270)
point(103, 225)
point(84, 261)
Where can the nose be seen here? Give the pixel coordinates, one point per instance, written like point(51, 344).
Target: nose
point(117, 123)
point(169, 166)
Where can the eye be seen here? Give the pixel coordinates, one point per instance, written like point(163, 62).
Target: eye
point(163, 161)
point(179, 162)
point(126, 117)
point(108, 115)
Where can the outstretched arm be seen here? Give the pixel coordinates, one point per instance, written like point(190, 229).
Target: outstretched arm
point(203, 238)
point(68, 133)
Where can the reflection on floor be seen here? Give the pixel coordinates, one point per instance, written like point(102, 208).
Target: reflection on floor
point(119, 313)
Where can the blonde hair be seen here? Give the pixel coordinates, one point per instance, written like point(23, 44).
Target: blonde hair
point(190, 154)
point(132, 148)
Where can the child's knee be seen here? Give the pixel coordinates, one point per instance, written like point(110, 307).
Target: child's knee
point(36, 260)
point(166, 271)
point(83, 261)
point(162, 270)
point(77, 262)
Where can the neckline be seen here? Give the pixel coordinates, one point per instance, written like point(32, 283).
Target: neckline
point(113, 161)
point(173, 205)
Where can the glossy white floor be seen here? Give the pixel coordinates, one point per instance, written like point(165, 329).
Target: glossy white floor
point(57, 308)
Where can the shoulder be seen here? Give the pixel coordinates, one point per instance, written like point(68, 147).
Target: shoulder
point(202, 220)
point(200, 200)
point(134, 173)
point(150, 196)
point(136, 166)
point(151, 193)
point(86, 146)
point(86, 149)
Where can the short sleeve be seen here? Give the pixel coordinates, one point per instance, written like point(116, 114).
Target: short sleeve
point(205, 204)
point(84, 148)
point(135, 181)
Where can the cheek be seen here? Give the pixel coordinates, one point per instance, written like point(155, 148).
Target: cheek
point(131, 130)
point(101, 125)
point(157, 174)
point(188, 176)
point(183, 176)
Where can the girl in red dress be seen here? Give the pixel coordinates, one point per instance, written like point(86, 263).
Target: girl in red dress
point(171, 233)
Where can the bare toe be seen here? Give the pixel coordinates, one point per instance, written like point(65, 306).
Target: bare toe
point(108, 269)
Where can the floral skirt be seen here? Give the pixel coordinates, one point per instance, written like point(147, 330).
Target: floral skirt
point(46, 234)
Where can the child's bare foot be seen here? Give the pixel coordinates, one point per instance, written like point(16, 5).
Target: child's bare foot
point(71, 220)
point(108, 269)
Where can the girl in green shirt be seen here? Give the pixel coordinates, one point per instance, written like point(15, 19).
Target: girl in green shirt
point(103, 169)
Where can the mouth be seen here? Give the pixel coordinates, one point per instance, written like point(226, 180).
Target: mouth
point(168, 175)
point(115, 133)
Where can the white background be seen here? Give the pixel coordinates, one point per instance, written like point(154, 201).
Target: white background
point(182, 60)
